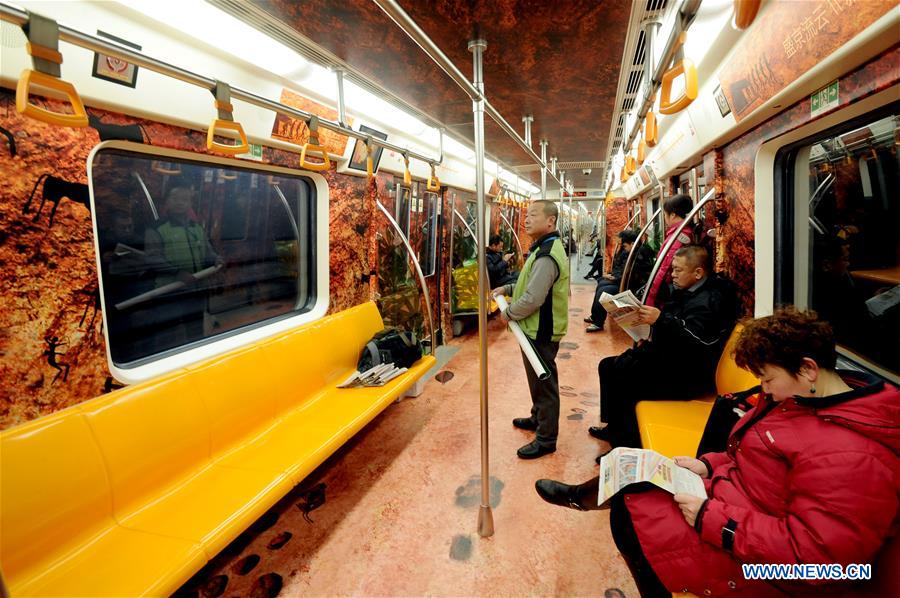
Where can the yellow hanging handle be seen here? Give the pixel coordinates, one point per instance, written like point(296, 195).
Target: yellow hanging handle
point(433, 184)
point(630, 165)
point(641, 151)
point(682, 67)
point(745, 12)
point(370, 166)
point(407, 175)
point(314, 145)
point(155, 167)
point(43, 41)
point(225, 122)
point(228, 125)
point(651, 130)
point(623, 177)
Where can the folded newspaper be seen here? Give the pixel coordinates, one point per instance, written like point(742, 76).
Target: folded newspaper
point(623, 308)
point(623, 466)
point(376, 376)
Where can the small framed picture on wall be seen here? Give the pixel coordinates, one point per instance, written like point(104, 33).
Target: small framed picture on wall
point(112, 69)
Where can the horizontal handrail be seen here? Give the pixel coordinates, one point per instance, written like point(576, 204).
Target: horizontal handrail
point(109, 48)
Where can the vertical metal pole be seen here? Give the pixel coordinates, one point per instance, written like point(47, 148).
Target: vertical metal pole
point(543, 169)
point(342, 114)
point(559, 203)
point(528, 120)
point(571, 232)
point(485, 516)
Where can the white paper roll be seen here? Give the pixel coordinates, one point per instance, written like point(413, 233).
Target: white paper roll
point(527, 347)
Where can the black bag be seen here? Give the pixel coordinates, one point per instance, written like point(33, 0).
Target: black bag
point(391, 345)
point(722, 419)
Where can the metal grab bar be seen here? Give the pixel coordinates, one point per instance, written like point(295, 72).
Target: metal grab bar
point(515, 236)
point(393, 10)
point(415, 261)
point(629, 263)
point(466, 225)
point(814, 200)
point(96, 44)
point(668, 245)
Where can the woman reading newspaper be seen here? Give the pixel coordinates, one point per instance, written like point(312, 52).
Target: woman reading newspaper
point(810, 476)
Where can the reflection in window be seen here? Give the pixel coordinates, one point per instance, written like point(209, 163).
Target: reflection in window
point(851, 217)
point(401, 212)
point(190, 251)
point(427, 255)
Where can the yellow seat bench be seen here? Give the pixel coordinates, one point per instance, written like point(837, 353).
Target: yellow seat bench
point(132, 492)
point(674, 428)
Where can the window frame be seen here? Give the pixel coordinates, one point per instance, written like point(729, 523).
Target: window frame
point(786, 180)
point(180, 357)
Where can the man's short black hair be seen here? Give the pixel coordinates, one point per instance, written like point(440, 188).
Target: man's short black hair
point(495, 239)
point(628, 236)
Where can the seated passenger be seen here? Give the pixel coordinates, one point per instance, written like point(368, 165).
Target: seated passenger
point(811, 475)
point(597, 252)
point(498, 264)
point(679, 361)
point(610, 283)
point(675, 209)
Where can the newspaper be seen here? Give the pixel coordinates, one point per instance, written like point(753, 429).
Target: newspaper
point(376, 376)
point(881, 303)
point(623, 466)
point(623, 308)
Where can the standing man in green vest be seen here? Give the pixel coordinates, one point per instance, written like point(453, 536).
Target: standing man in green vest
point(540, 304)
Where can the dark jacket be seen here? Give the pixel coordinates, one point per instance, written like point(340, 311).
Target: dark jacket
point(497, 269)
point(807, 480)
point(687, 339)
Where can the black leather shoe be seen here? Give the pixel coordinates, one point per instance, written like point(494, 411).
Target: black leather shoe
point(525, 423)
point(533, 450)
point(557, 493)
point(599, 433)
point(588, 321)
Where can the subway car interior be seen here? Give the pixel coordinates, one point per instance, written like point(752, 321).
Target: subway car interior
point(458, 298)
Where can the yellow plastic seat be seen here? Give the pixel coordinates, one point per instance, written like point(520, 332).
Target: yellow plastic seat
point(674, 428)
point(173, 469)
point(57, 533)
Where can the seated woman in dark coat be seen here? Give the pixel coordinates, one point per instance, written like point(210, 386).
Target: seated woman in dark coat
point(810, 475)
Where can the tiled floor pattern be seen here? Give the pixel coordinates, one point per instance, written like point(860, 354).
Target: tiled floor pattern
point(394, 512)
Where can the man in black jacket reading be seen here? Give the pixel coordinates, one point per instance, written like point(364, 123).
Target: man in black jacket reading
point(679, 361)
point(498, 263)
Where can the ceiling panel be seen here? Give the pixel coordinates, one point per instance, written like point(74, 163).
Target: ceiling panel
point(556, 60)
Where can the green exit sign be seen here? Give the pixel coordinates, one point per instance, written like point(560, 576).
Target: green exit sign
point(824, 100)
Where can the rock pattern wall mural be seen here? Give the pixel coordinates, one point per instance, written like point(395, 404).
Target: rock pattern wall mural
point(52, 348)
point(735, 177)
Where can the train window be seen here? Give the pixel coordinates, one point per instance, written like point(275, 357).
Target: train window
point(402, 207)
point(427, 255)
point(846, 240)
point(191, 251)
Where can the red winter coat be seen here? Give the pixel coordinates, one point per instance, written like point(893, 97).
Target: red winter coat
point(663, 275)
point(808, 480)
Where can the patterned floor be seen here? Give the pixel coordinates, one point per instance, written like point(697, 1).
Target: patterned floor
point(394, 512)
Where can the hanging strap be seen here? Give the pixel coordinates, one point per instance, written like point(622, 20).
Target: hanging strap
point(43, 46)
point(222, 93)
point(225, 122)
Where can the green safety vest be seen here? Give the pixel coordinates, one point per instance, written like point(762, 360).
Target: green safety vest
point(184, 246)
point(551, 320)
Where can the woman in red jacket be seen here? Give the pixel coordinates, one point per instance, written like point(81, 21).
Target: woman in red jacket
point(810, 476)
point(675, 209)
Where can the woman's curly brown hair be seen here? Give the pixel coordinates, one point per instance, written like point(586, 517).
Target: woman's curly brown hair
point(783, 340)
